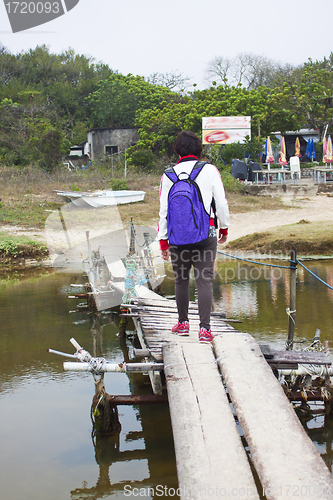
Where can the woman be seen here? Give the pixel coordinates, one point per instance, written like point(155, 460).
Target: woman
point(202, 255)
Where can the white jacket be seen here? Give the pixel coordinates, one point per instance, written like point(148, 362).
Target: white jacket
point(211, 186)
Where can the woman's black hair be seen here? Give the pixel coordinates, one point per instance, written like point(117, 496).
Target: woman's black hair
point(188, 143)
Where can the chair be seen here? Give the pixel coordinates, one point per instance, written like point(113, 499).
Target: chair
point(251, 176)
point(295, 167)
point(239, 169)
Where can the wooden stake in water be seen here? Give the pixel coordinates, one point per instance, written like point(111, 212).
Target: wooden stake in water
point(292, 305)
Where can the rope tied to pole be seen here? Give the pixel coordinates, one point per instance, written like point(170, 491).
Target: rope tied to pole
point(252, 261)
point(289, 312)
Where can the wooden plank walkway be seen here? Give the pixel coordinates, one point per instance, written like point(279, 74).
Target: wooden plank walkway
point(211, 460)
point(285, 458)
point(157, 317)
point(210, 455)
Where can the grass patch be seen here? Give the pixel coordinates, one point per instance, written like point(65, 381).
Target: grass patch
point(309, 238)
point(27, 212)
point(240, 203)
point(17, 248)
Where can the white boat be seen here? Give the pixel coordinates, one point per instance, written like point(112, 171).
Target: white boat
point(101, 198)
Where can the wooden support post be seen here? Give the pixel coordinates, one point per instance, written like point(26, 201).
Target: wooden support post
point(62, 220)
point(104, 412)
point(132, 239)
point(122, 324)
point(292, 304)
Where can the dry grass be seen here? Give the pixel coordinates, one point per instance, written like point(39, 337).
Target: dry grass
point(309, 238)
point(240, 203)
point(27, 195)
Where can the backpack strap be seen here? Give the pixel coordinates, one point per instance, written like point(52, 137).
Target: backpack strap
point(197, 169)
point(171, 174)
point(195, 172)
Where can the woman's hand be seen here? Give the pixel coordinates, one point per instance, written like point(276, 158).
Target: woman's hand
point(222, 238)
point(165, 254)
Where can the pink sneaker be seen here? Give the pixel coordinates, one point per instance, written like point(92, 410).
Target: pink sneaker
point(205, 336)
point(181, 329)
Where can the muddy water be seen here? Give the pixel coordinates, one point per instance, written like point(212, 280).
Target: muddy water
point(45, 428)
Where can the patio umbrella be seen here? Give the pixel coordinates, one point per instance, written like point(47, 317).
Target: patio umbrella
point(268, 151)
point(308, 151)
point(283, 159)
point(297, 147)
point(328, 156)
point(313, 151)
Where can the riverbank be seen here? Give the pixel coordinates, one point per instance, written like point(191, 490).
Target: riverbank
point(21, 250)
point(261, 224)
point(306, 223)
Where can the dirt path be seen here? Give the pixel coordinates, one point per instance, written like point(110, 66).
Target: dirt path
point(311, 208)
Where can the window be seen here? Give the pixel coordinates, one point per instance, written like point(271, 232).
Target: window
point(111, 150)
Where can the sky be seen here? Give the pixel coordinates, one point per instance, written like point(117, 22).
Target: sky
point(147, 36)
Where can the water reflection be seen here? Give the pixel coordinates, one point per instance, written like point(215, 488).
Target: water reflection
point(260, 295)
point(45, 425)
point(320, 431)
point(147, 450)
point(238, 297)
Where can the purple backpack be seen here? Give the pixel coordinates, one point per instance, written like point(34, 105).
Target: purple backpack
point(187, 219)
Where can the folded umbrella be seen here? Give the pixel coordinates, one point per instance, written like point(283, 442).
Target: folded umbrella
point(268, 151)
point(283, 159)
point(328, 158)
point(308, 151)
point(298, 147)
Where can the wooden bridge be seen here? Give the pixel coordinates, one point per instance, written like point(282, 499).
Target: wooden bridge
point(236, 434)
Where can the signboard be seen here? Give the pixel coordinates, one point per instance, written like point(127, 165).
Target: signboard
point(225, 129)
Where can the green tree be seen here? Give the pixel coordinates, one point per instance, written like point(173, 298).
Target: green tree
point(118, 99)
point(312, 99)
point(158, 127)
point(38, 90)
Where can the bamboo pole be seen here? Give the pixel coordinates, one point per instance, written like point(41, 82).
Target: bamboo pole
point(113, 367)
point(137, 399)
point(292, 304)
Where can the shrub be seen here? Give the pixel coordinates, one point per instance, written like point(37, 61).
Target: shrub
point(230, 151)
point(142, 158)
point(118, 184)
point(231, 184)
